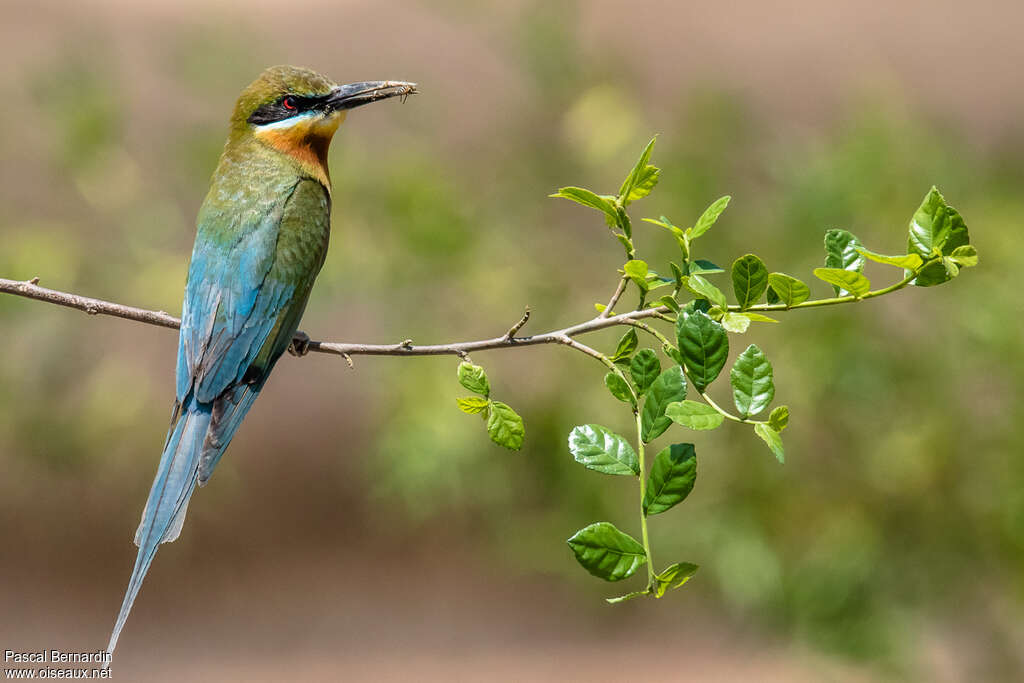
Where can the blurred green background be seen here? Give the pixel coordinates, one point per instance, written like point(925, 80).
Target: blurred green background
point(361, 528)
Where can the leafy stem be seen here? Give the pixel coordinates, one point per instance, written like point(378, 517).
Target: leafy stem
point(643, 496)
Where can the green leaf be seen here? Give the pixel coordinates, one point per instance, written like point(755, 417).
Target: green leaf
point(703, 266)
point(667, 224)
point(735, 322)
point(628, 596)
point(749, 280)
point(622, 220)
point(966, 256)
point(930, 226)
point(627, 244)
point(619, 388)
point(637, 272)
point(672, 476)
point(844, 280)
point(673, 353)
point(842, 250)
point(704, 346)
point(668, 388)
point(772, 438)
point(644, 368)
point(695, 415)
point(752, 385)
point(587, 198)
point(787, 289)
point(673, 577)
point(936, 228)
point(505, 427)
point(907, 261)
point(779, 418)
point(758, 318)
point(627, 345)
point(472, 404)
point(709, 217)
point(706, 290)
point(669, 302)
point(606, 552)
point(645, 183)
point(602, 450)
point(474, 378)
point(635, 178)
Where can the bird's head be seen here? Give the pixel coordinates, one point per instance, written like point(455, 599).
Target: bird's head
point(297, 111)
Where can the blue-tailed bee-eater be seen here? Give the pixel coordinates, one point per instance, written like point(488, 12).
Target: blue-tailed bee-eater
point(261, 240)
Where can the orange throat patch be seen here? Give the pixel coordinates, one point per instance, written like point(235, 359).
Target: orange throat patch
point(306, 140)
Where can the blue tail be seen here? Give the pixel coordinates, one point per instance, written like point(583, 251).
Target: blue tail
point(168, 498)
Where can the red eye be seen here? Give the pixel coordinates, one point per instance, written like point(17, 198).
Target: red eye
point(289, 103)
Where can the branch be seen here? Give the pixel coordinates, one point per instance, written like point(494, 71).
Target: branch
point(30, 290)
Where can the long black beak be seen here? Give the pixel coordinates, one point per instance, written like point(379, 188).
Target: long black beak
point(357, 94)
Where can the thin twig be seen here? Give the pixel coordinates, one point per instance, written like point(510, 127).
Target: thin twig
point(615, 297)
point(405, 348)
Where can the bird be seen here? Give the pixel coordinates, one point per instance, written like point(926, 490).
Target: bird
point(261, 238)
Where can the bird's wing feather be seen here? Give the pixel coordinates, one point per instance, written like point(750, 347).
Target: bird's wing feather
point(230, 305)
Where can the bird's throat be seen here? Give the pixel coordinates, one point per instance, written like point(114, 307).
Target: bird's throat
point(305, 140)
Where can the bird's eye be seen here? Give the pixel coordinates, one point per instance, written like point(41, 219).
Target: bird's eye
point(289, 103)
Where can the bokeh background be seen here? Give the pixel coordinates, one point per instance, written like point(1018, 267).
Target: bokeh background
point(361, 528)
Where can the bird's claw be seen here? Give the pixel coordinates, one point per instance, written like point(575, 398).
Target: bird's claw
point(300, 344)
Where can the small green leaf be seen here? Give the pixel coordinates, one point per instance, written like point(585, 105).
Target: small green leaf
point(602, 450)
point(936, 228)
point(627, 243)
point(505, 427)
point(709, 217)
point(587, 198)
point(672, 476)
point(673, 353)
point(474, 378)
point(695, 415)
point(695, 305)
point(772, 438)
point(667, 224)
point(704, 346)
point(704, 267)
point(749, 280)
point(841, 250)
point(706, 290)
point(668, 388)
point(930, 225)
point(736, 323)
point(622, 220)
point(844, 280)
point(627, 345)
point(758, 318)
point(632, 184)
point(670, 303)
point(637, 272)
point(788, 290)
point(779, 418)
point(606, 552)
point(644, 368)
point(673, 577)
point(645, 183)
point(907, 261)
point(752, 385)
point(472, 404)
point(628, 596)
point(965, 255)
point(618, 387)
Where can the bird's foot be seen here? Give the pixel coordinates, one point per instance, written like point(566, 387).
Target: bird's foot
point(300, 344)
